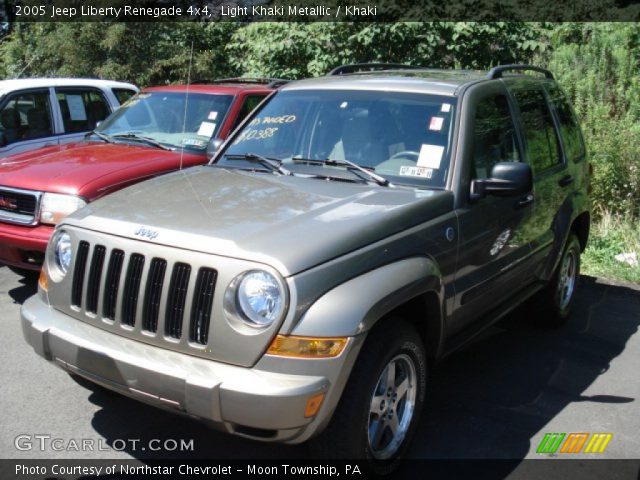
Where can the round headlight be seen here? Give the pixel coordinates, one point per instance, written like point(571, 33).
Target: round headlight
point(260, 298)
point(63, 252)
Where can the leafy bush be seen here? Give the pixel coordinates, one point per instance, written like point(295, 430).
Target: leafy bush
point(598, 64)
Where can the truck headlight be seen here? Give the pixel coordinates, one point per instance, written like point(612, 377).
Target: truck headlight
point(62, 252)
point(55, 206)
point(260, 298)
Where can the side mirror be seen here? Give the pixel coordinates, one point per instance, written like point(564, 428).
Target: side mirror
point(213, 146)
point(507, 179)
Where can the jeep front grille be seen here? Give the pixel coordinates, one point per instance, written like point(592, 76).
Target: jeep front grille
point(19, 206)
point(135, 280)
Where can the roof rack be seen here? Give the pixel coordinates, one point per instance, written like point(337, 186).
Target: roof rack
point(369, 67)
point(496, 72)
point(270, 82)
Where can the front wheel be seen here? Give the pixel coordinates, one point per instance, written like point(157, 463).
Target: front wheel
point(379, 409)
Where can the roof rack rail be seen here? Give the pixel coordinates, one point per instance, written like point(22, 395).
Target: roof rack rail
point(271, 82)
point(369, 67)
point(496, 72)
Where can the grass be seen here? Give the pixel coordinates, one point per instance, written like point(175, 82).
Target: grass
point(610, 236)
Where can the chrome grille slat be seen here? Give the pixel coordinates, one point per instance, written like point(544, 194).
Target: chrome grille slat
point(177, 299)
point(200, 317)
point(79, 274)
point(131, 290)
point(93, 280)
point(152, 296)
point(112, 284)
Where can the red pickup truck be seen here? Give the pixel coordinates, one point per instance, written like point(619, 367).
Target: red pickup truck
point(157, 131)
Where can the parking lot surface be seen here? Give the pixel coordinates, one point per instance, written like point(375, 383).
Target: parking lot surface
point(496, 398)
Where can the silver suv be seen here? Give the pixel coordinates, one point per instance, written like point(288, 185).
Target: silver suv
point(352, 231)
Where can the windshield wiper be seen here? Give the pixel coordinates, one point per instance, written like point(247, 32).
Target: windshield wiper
point(272, 164)
point(368, 171)
point(101, 136)
point(147, 140)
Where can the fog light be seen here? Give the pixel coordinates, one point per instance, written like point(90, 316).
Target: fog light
point(313, 405)
point(307, 347)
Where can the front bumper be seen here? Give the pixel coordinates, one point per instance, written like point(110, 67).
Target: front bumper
point(24, 246)
point(251, 402)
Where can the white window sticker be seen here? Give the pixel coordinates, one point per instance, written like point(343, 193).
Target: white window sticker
point(446, 107)
point(213, 115)
point(194, 142)
point(410, 171)
point(430, 156)
point(436, 123)
point(76, 108)
point(206, 129)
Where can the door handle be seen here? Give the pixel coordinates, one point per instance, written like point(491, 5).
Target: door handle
point(524, 201)
point(566, 180)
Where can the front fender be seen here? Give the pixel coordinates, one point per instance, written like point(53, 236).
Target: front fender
point(356, 305)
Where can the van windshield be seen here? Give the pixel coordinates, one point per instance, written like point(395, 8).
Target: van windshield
point(404, 137)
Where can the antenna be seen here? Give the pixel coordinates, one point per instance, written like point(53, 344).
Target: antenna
point(186, 104)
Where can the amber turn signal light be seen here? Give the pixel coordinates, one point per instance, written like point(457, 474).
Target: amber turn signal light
point(307, 347)
point(313, 405)
point(43, 280)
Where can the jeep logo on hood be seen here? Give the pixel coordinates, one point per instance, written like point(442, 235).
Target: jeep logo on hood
point(145, 232)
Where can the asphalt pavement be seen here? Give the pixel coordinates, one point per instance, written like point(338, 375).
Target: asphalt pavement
point(496, 398)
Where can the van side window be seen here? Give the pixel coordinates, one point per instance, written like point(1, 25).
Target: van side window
point(569, 129)
point(494, 138)
point(123, 94)
point(81, 108)
point(542, 145)
point(26, 115)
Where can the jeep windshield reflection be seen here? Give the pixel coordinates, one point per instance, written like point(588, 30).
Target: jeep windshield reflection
point(404, 137)
point(167, 120)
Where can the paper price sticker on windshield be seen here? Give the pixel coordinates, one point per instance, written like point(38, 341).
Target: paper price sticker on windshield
point(430, 156)
point(206, 129)
point(436, 124)
point(422, 172)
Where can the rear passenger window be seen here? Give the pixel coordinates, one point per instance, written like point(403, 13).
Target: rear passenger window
point(543, 149)
point(81, 108)
point(494, 138)
point(26, 116)
point(123, 94)
point(569, 129)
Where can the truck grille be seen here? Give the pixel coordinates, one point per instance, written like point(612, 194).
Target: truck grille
point(18, 206)
point(137, 280)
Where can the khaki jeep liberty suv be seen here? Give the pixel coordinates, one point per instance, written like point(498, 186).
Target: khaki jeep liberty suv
point(353, 230)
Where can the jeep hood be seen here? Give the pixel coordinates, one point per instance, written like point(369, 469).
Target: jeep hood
point(291, 223)
point(89, 169)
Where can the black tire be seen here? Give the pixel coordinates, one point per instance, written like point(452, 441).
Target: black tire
point(552, 305)
point(351, 431)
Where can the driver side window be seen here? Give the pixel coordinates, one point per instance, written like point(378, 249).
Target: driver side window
point(494, 138)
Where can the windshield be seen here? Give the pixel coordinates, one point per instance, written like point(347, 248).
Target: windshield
point(162, 117)
point(405, 137)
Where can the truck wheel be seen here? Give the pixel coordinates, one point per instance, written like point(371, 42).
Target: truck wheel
point(555, 300)
point(380, 406)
